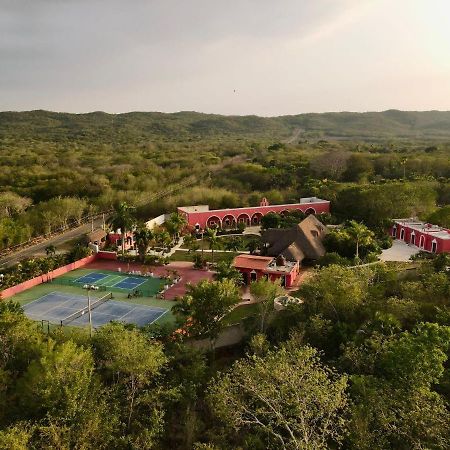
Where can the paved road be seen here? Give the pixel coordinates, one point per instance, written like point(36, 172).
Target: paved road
point(39, 249)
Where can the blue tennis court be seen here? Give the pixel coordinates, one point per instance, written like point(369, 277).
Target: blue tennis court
point(57, 308)
point(120, 281)
point(130, 283)
point(91, 278)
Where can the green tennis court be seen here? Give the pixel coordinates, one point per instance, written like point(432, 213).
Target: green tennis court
point(146, 286)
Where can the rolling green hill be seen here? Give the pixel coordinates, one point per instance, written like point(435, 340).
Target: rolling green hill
point(142, 126)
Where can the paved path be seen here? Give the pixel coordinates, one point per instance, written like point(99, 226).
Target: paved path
point(39, 249)
point(400, 251)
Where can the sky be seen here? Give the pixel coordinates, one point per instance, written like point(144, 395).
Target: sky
point(264, 57)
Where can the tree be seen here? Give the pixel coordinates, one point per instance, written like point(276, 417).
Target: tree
point(233, 244)
point(440, 217)
point(162, 238)
point(336, 292)
point(131, 362)
point(175, 224)
point(331, 164)
point(123, 218)
point(12, 204)
point(253, 245)
point(351, 240)
point(264, 292)
point(359, 167)
point(360, 233)
point(270, 220)
point(213, 239)
point(226, 271)
point(58, 384)
point(143, 238)
point(394, 404)
point(190, 241)
point(288, 398)
point(202, 309)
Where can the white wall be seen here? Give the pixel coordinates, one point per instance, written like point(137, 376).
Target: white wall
point(157, 221)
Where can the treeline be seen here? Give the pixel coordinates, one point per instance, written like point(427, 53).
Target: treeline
point(19, 222)
point(361, 363)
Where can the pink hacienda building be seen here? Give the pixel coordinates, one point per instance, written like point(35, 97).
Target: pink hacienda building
point(201, 217)
point(427, 237)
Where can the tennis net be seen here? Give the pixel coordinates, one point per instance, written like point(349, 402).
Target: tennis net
point(84, 310)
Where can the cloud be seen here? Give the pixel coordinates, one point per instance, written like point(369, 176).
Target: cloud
point(117, 55)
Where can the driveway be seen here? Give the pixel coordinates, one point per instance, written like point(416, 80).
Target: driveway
point(400, 251)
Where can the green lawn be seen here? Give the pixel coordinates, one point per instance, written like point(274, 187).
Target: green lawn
point(240, 313)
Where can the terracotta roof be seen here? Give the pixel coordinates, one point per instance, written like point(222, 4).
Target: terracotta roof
point(252, 262)
point(299, 242)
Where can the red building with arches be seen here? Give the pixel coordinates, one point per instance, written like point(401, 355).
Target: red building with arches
point(427, 237)
point(201, 217)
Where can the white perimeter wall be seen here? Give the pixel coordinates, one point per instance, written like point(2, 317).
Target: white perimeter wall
point(157, 221)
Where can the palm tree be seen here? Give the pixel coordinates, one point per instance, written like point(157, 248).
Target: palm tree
point(360, 233)
point(213, 239)
point(162, 239)
point(123, 218)
point(175, 224)
point(143, 238)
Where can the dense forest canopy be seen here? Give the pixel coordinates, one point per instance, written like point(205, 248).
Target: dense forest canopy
point(86, 163)
point(135, 126)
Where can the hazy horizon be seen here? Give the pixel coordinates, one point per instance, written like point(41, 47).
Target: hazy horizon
point(245, 57)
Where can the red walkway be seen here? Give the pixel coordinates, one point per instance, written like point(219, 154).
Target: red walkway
point(184, 269)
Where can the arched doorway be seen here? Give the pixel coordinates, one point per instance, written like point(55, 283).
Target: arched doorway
point(412, 239)
point(244, 218)
point(394, 231)
point(422, 241)
point(256, 218)
point(228, 221)
point(402, 234)
point(310, 211)
point(213, 222)
point(434, 246)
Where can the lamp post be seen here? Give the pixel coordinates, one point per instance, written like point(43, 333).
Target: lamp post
point(203, 232)
point(90, 287)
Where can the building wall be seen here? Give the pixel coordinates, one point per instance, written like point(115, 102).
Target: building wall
point(13, 290)
point(248, 215)
point(290, 277)
point(157, 221)
point(115, 239)
point(423, 240)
